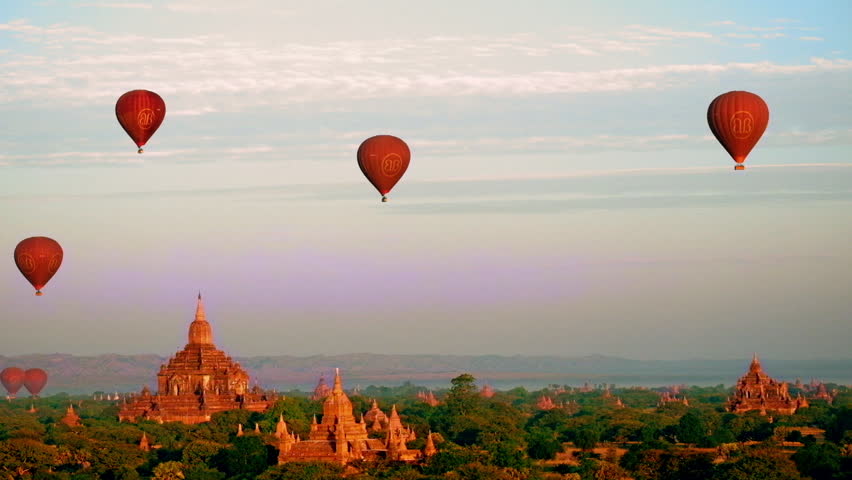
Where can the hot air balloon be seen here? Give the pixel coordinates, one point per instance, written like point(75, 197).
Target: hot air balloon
point(383, 159)
point(140, 113)
point(38, 259)
point(12, 379)
point(738, 120)
point(34, 380)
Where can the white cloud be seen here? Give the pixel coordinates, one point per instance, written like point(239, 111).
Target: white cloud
point(751, 45)
point(812, 39)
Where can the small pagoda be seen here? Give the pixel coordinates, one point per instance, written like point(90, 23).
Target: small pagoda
point(198, 381)
point(71, 418)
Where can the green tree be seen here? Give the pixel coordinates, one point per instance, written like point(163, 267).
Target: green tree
point(542, 444)
point(24, 456)
point(820, 461)
point(303, 471)
point(587, 438)
point(248, 456)
point(692, 427)
point(463, 397)
point(201, 472)
point(169, 471)
point(200, 451)
point(837, 426)
point(759, 464)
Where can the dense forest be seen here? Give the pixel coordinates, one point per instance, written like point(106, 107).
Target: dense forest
point(602, 434)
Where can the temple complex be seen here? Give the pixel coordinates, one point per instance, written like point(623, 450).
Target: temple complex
point(758, 391)
point(667, 398)
point(822, 394)
point(429, 398)
point(545, 403)
point(198, 381)
point(341, 438)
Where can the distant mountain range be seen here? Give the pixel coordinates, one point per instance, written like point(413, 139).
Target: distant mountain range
point(86, 374)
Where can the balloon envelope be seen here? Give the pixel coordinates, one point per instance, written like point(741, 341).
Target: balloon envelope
point(140, 113)
point(738, 120)
point(38, 259)
point(12, 379)
point(34, 380)
point(383, 160)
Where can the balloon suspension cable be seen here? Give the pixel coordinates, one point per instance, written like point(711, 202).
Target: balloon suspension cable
point(140, 151)
point(38, 293)
point(384, 198)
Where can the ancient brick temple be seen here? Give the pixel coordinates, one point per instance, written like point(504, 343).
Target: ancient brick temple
point(71, 418)
point(341, 438)
point(758, 391)
point(198, 381)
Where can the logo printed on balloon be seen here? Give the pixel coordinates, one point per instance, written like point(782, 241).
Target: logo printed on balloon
point(145, 119)
point(26, 263)
point(742, 124)
point(391, 164)
point(54, 264)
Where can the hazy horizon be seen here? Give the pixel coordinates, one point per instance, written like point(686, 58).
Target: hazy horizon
point(565, 195)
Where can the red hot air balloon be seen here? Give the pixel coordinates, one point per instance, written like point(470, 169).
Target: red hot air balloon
point(34, 380)
point(38, 259)
point(738, 120)
point(12, 379)
point(383, 160)
point(140, 113)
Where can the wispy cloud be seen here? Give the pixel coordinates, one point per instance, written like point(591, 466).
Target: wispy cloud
point(812, 39)
point(667, 32)
point(339, 146)
point(192, 112)
point(115, 5)
point(249, 72)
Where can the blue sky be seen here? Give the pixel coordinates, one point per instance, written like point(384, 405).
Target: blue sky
point(565, 195)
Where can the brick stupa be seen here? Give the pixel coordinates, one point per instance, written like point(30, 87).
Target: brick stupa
point(758, 391)
point(71, 418)
point(340, 438)
point(198, 381)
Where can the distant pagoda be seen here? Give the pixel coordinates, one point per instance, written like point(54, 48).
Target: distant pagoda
point(71, 418)
point(758, 391)
point(322, 389)
point(198, 381)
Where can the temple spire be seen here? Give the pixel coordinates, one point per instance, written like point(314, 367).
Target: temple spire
point(755, 364)
point(200, 332)
point(429, 449)
point(338, 383)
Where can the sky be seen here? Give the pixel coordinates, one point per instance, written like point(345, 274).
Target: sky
point(565, 194)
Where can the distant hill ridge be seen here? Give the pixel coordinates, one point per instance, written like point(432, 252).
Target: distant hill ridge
point(109, 372)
